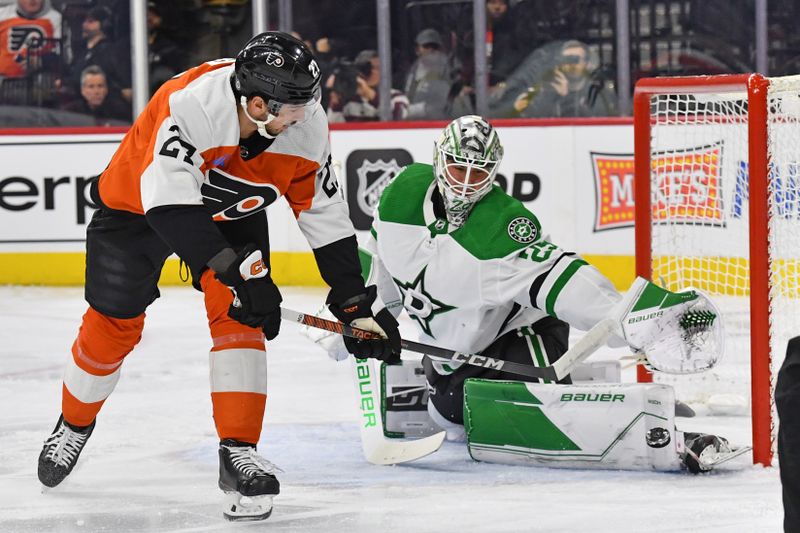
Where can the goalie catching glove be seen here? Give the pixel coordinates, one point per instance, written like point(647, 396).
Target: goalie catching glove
point(367, 311)
point(676, 333)
point(257, 300)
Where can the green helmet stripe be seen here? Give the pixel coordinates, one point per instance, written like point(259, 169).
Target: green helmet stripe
point(455, 139)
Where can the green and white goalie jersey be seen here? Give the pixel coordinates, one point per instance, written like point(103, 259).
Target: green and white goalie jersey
point(465, 287)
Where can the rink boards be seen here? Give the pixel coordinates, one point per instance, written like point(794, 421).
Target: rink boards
point(577, 177)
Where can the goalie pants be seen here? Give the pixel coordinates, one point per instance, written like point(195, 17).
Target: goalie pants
point(123, 264)
point(787, 403)
point(540, 344)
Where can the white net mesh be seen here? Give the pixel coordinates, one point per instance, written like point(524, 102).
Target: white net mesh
point(700, 220)
point(784, 207)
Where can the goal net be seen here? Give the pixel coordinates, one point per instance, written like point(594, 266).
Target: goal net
point(718, 209)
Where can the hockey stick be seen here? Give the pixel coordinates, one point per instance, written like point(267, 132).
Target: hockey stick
point(591, 341)
point(378, 449)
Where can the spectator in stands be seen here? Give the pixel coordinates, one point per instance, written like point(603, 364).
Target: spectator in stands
point(28, 30)
point(354, 91)
point(106, 106)
point(508, 38)
point(557, 80)
point(328, 52)
point(505, 47)
point(429, 79)
point(102, 51)
point(165, 57)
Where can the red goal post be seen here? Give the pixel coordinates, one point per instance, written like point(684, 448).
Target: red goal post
point(716, 205)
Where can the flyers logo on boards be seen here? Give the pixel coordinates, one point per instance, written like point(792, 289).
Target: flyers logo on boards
point(232, 198)
point(613, 181)
point(368, 173)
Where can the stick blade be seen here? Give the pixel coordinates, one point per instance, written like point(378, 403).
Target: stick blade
point(379, 450)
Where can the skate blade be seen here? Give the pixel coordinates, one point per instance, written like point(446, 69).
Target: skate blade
point(240, 508)
point(718, 458)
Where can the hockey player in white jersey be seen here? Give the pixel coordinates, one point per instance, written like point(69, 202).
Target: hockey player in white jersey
point(471, 267)
point(214, 147)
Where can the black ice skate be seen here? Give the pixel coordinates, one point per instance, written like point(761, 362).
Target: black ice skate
point(703, 452)
point(61, 451)
point(248, 481)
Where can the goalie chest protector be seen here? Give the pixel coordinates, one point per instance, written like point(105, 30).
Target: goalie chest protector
point(620, 426)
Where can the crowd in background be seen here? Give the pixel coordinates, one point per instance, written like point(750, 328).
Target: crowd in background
point(67, 62)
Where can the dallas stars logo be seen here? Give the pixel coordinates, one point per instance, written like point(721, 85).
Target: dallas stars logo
point(522, 229)
point(419, 304)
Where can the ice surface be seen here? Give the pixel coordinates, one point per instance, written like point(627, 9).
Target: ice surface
point(151, 463)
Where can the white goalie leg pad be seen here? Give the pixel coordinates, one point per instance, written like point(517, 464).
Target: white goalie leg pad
point(619, 426)
point(453, 432)
point(597, 372)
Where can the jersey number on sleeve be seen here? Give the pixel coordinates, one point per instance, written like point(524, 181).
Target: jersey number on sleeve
point(329, 184)
point(539, 252)
point(172, 146)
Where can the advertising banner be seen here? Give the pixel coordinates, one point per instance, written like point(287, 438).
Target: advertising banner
point(576, 179)
point(44, 189)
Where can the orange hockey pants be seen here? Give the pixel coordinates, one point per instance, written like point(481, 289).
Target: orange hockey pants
point(237, 366)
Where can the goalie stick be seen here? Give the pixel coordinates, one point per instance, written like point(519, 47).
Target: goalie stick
point(378, 449)
point(591, 341)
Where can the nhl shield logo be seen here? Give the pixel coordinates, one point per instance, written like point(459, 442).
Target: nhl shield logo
point(368, 174)
point(373, 177)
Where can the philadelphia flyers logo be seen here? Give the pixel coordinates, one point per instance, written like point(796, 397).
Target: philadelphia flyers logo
point(22, 37)
point(232, 198)
point(274, 59)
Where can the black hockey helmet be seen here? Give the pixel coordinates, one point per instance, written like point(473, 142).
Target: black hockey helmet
point(277, 67)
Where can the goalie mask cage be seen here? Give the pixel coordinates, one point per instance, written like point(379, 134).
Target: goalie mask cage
point(717, 193)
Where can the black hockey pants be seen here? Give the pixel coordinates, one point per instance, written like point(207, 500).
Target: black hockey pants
point(787, 401)
point(540, 344)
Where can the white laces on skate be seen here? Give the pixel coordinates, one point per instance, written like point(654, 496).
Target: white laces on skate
point(65, 445)
point(247, 460)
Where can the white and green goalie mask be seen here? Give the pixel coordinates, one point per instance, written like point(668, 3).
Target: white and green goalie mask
point(465, 162)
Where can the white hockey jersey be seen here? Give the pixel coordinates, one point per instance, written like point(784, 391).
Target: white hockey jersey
point(464, 287)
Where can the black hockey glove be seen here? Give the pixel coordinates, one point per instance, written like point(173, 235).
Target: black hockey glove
point(257, 301)
point(366, 311)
